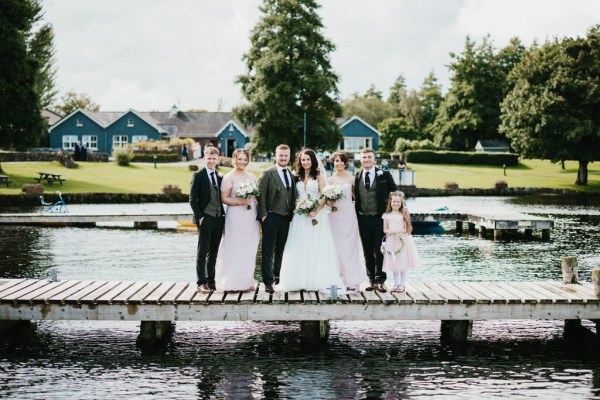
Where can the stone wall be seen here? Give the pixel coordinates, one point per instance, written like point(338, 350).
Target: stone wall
point(19, 156)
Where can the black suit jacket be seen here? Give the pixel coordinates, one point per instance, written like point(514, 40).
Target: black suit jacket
point(200, 188)
point(385, 185)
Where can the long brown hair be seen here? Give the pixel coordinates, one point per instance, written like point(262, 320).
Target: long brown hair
point(403, 209)
point(314, 164)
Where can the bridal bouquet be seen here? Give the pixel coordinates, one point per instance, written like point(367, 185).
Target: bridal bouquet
point(307, 205)
point(247, 190)
point(332, 193)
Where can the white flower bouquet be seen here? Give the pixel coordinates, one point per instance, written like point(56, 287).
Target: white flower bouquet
point(332, 193)
point(247, 190)
point(307, 205)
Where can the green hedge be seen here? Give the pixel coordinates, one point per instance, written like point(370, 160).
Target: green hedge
point(160, 158)
point(461, 157)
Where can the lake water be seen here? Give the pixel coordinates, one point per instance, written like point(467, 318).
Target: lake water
point(391, 359)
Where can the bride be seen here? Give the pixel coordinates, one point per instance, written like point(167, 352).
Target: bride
point(310, 261)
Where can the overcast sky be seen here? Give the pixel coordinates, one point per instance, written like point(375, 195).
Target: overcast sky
point(151, 54)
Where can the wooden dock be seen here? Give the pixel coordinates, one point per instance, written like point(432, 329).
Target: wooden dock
point(156, 304)
point(477, 221)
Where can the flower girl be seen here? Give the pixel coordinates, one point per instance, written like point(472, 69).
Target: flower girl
point(399, 251)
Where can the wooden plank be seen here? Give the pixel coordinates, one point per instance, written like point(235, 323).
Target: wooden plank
point(540, 295)
point(448, 296)
point(554, 297)
point(61, 297)
point(9, 283)
point(402, 298)
point(200, 297)
point(261, 295)
point(158, 293)
point(26, 295)
point(415, 294)
point(88, 294)
point(21, 284)
point(325, 298)
point(580, 291)
point(464, 297)
point(525, 296)
point(371, 297)
point(114, 292)
point(59, 290)
point(174, 292)
point(187, 295)
point(497, 295)
point(232, 297)
point(386, 298)
point(574, 295)
point(356, 297)
point(248, 296)
point(140, 296)
point(294, 297)
point(464, 287)
point(309, 297)
point(22, 289)
point(434, 298)
point(278, 298)
point(572, 298)
point(124, 296)
point(587, 289)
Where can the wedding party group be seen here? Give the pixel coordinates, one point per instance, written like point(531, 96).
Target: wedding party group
point(311, 225)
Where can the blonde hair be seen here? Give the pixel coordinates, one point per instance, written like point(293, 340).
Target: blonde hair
point(282, 147)
point(367, 150)
point(403, 209)
point(211, 150)
point(236, 154)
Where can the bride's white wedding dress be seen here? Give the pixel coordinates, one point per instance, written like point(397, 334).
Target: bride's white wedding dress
point(310, 261)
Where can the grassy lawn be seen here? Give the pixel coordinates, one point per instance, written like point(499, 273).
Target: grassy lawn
point(144, 178)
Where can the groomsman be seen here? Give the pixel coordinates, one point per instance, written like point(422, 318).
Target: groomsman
point(372, 189)
point(209, 215)
point(275, 211)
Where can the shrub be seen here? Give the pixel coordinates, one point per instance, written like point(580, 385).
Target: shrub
point(160, 158)
point(461, 157)
point(123, 156)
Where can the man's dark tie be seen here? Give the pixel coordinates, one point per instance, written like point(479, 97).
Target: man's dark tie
point(367, 181)
point(212, 178)
point(287, 181)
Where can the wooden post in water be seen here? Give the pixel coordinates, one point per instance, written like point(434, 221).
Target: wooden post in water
point(314, 332)
point(456, 331)
point(459, 227)
point(482, 231)
point(152, 332)
point(569, 270)
point(497, 234)
point(596, 282)
point(528, 234)
point(471, 228)
point(546, 234)
point(145, 225)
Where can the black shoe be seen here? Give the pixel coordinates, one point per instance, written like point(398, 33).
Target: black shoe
point(381, 288)
point(371, 287)
point(269, 289)
point(212, 286)
point(277, 280)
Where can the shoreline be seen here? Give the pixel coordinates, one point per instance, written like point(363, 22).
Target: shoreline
point(410, 191)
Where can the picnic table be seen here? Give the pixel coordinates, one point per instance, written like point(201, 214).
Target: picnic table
point(50, 177)
point(4, 180)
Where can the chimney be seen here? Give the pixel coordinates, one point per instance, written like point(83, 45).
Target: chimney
point(173, 111)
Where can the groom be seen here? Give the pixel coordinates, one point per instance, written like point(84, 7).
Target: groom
point(209, 215)
point(372, 189)
point(275, 211)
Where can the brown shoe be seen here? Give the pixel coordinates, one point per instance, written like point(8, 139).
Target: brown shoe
point(204, 288)
point(269, 289)
point(381, 288)
point(212, 286)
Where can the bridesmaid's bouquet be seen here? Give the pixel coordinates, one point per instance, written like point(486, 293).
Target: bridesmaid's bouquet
point(307, 205)
point(332, 193)
point(247, 190)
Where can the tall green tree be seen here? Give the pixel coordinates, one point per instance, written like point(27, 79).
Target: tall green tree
point(471, 109)
point(552, 110)
point(397, 89)
point(369, 107)
point(21, 123)
point(430, 97)
point(41, 48)
point(72, 101)
point(289, 74)
point(393, 129)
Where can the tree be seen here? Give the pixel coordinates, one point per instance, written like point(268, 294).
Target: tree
point(21, 123)
point(551, 111)
point(41, 48)
point(397, 89)
point(73, 101)
point(394, 128)
point(430, 97)
point(410, 108)
point(369, 107)
point(289, 74)
point(471, 109)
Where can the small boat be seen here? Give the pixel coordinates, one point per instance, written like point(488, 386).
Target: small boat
point(432, 227)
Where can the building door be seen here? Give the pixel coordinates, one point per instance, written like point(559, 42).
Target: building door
point(231, 146)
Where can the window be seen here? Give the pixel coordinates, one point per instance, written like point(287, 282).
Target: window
point(119, 141)
point(79, 123)
point(356, 143)
point(130, 123)
point(91, 140)
point(68, 142)
point(139, 138)
point(230, 127)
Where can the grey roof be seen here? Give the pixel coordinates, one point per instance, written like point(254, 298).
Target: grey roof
point(196, 124)
point(493, 143)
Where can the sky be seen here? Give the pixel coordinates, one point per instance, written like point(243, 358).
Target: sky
point(149, 55)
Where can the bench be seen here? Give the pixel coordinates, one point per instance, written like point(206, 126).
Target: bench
point(5, 180)
point(50, 177)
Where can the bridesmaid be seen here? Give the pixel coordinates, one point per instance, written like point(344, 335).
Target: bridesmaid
point(237, 252)
point(344, 225)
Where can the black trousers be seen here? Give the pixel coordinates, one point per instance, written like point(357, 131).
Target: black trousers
point(371, 235)
point(209, 238)
point(275, 230)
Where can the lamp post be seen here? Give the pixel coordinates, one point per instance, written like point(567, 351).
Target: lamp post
point(305, 129)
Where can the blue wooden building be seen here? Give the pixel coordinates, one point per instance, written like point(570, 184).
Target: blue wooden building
point(357, 134)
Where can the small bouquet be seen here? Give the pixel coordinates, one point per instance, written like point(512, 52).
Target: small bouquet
point(332, 193)
point(247, 190)
point(307, 205)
